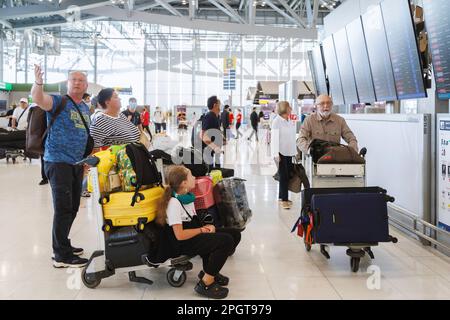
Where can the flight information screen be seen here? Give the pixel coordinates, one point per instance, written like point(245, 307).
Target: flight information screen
point(318, 70)
point(438, 28)
point(380, 60)
point(333, 71)
point(403, 49)
point(345, 67)
point(360, 61)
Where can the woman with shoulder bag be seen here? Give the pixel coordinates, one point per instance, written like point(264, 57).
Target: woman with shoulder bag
point(283, 149)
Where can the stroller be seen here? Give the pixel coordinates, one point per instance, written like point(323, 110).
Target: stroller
point(12, 145)
point(125, 249)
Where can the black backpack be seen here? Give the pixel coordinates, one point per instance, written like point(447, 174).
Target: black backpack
point(144, 166)
point(191, 159)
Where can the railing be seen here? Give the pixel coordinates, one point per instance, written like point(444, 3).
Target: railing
point(420, 227)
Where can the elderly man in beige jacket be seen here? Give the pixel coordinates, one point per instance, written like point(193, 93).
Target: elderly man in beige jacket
point(325, 125)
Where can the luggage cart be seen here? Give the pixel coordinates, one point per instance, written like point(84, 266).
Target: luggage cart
point(13, 154)
point(103, 265)
point(333, 176)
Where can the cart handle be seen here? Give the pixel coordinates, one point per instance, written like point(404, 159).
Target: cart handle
point(363, 152)
point(92, 161)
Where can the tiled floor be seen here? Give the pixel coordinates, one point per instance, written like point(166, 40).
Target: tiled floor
point(270, 263)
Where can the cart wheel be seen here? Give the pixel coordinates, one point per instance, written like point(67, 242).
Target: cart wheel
point(14, 160)
point(91, 284)
point(171, 278)
point(308, 247)
point(141, 226)
point(7, 159)
point(354, 262)
point(107, 226)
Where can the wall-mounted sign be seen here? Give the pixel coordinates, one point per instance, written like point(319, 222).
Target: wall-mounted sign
point(6, 86)
point(229, 73)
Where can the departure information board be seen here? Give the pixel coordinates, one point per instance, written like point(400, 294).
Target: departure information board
point(360, 60)
point(403, 49)
point(318, 70)
point(380, 60)
point(345, 67)
point(438, 28)
point(333, 71)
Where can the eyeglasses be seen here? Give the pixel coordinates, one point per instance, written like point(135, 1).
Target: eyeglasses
point(324, 104)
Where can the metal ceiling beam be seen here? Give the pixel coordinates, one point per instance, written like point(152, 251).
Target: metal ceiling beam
point(6, 24)
point(284, 14)
point(193, 6)
point(315, 12)
point(218, 26)
point(45, 10)
point(169, 8)
point(251, 12)
point(55, 24)
point(293, 13)
point(241, 4)
point(229, 11)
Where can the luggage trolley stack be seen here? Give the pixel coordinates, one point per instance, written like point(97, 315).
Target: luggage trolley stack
point(340, 210)
point(124, 243)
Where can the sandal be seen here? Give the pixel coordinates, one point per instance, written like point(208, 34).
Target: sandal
point(220, 279)
point(213, 291)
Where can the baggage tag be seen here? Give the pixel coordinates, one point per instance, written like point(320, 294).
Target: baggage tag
point(115, 183)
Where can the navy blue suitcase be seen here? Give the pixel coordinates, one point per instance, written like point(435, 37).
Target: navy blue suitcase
point(350, 218)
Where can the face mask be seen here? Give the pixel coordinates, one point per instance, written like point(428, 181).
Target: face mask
point(133, 106)
point(184, 198)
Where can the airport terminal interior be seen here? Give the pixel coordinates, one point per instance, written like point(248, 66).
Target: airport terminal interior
point(331, 149)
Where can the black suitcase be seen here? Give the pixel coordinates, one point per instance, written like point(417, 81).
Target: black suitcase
point(193, 160)
point(353, 218)
point(125, 247)
point(226, 173)
point(307, 194)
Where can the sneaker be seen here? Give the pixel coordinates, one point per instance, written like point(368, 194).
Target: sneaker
point(213, 291)
point(220, 279)
point(72, 262)
point(43, 182)
point(75, 251)
point(85, 194)
point(286, 205)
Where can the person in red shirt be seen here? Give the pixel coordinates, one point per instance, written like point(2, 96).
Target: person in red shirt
point(238, 124)
point(145, 120)
point(231, 117)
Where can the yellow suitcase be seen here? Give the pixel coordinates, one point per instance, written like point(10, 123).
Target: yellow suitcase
point(107, 162)
point(118, 212)
point(216, 176)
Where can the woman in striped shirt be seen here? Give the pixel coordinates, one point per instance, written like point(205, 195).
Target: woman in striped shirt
point(112, 127)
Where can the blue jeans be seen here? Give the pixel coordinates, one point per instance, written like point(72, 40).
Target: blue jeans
point(65, 181)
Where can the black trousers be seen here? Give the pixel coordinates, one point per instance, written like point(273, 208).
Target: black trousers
point(157, 127)
point(44, 177)
point(214, 248)
point(65, 181)
point(238, 133)
point(148, 130)
point(284, 168)
point(224, 133)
